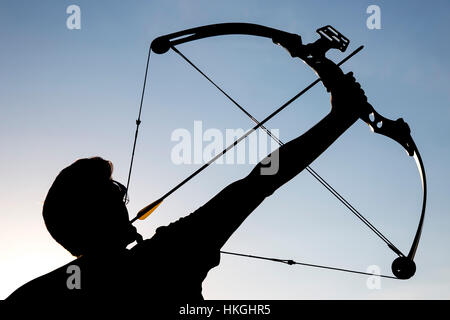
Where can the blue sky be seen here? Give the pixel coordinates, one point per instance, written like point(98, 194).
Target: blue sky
point(67, 94)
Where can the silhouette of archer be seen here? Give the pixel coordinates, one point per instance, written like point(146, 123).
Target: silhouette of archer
point(85, 212)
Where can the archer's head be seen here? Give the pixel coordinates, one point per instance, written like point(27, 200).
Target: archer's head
point(85, 210)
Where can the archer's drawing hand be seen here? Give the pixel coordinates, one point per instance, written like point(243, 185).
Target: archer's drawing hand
point(347, 97)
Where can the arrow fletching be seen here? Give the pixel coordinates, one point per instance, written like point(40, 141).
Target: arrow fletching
point(146, 211)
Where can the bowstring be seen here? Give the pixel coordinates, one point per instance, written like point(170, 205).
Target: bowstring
point(138, 122)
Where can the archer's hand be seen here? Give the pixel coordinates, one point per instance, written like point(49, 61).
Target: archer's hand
point(347, 97)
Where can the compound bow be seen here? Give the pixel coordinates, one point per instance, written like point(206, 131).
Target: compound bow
point(312, 54)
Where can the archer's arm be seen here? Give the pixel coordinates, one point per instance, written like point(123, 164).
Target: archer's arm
point(224, 213)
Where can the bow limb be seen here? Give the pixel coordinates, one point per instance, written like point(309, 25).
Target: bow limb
point(405, 267)
point(421, 168)
point(164, 43)
point(398, 130)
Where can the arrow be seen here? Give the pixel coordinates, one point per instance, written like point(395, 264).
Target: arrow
point(146, 211)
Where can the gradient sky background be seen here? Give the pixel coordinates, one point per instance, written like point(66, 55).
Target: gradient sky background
point(67, 94)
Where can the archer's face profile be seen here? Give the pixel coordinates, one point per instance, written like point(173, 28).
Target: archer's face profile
point(119, 230)
point(85, 209)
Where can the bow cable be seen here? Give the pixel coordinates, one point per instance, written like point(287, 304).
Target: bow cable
point(293, 262)
point(138, 122)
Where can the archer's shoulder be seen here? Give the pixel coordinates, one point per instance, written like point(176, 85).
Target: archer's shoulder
point(166, 237)
point(47, 287)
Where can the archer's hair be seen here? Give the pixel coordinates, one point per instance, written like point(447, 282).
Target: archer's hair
point(74, 203)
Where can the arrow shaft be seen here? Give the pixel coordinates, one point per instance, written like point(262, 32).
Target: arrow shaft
point(258, 125)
